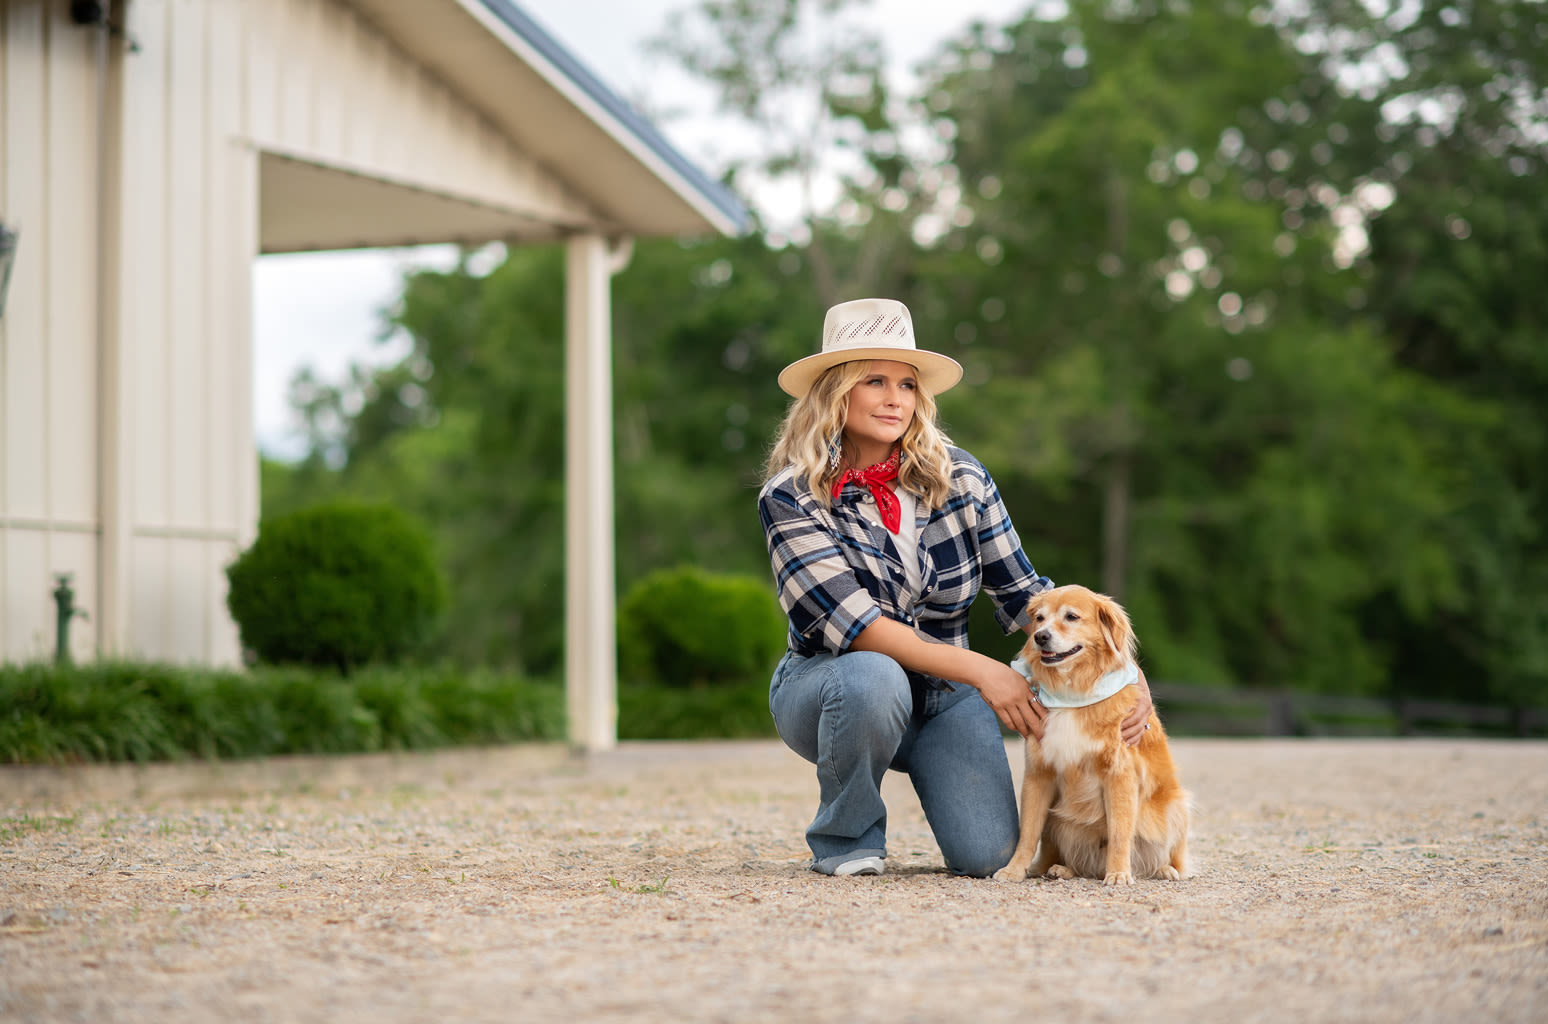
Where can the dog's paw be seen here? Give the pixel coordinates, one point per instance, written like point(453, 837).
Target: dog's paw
point(1010, 873)
point(1169, 873)
point(1060, 871)
point(1118, 878)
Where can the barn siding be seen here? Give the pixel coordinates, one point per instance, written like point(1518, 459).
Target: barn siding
point(127, 455)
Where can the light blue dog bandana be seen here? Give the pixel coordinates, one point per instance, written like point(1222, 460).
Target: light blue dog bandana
point(1108, 685)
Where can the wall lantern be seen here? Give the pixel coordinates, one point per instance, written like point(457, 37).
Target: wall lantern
point(8, 240)
point(95, 12)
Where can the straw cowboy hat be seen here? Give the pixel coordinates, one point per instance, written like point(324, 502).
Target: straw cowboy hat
point(870, 329)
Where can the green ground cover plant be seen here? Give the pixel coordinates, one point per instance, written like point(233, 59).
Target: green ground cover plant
point(143, 712)
point(139, 712)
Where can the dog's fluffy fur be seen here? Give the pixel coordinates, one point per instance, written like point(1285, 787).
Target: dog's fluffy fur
point(1090, 805)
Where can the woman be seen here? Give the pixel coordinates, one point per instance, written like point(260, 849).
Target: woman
point(881, 534)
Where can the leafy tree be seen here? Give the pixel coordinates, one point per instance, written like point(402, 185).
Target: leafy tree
point(808, 80)
point(1443, 106)
point(1135, 298)
point(1248, 298)
point(699, 330)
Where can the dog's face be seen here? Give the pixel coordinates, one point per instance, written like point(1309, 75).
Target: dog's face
point(1078, 634)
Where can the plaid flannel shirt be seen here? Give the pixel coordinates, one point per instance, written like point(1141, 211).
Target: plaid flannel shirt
point(836, 572)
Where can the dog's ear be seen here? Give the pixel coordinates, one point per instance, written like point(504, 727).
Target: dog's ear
point(1115, 627)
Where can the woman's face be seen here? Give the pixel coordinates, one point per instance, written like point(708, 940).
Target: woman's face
point(881, 407)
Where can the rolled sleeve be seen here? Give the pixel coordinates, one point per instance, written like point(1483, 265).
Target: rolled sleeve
point(816, 586)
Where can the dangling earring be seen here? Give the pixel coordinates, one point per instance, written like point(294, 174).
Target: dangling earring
point(835, 450)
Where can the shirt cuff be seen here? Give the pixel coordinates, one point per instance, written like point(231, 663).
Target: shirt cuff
point(849, 620)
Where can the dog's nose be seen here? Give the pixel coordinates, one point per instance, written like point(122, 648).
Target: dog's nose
point(1041, 638)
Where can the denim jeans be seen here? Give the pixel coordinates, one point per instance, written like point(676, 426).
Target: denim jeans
point(854, 716)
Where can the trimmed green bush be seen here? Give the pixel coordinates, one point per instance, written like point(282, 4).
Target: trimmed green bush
point(689, 627)
point(339, 585)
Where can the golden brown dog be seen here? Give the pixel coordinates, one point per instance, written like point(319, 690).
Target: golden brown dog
point(1090, 805)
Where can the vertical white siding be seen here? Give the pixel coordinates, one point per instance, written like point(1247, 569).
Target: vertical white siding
point(25, 204)
point(148, 623)
point(29, 619)
point(261, 72)
point(294, 38)
point(190, 601)
point(7, 600)
point(324, 85)
point(48, 357)
point(70, 304)
point(188, 196)
point(127, 455)
point(188, 269)
point(143, 258)
point(229, 469)
point(126, 447)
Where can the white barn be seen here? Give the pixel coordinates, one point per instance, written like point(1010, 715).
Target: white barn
point(147, 159)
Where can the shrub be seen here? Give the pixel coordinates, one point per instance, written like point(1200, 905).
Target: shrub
point(337, 585)
point(734, 711)
point(126, 711)
point(688, 627)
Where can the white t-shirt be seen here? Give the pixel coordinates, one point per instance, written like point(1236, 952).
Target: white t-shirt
point(906, 540)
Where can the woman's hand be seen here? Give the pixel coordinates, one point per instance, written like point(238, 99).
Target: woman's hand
point(1004, 689)
point(1010, 696)
point(1133, 727)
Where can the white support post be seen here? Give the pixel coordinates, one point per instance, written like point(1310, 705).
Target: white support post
point(590, 651)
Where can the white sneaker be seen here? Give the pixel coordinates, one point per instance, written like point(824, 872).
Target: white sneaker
point(861, 866)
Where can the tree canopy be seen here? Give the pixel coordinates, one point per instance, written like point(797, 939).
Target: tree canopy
point(1250, 299)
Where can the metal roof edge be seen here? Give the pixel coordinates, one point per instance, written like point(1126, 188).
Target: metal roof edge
point(717, 195)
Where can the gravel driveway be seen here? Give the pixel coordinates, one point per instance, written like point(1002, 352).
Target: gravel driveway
point(1342, 880)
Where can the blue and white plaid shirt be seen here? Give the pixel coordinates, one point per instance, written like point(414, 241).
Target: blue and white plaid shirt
point(837, 572)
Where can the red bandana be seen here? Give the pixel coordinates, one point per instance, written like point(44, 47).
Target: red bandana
point(875, 478)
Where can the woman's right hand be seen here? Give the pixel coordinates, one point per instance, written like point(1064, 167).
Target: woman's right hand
point(1008, 693)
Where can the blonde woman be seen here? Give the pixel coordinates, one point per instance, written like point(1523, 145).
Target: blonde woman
point(881, 534)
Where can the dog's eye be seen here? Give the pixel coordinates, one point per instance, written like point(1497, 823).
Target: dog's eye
point(1038, 617)
point(1071, 617)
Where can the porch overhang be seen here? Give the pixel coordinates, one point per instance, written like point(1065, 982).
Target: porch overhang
point(306, 206)
point(565, 118)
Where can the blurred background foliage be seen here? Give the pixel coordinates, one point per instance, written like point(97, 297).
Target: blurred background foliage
point(1250, 298)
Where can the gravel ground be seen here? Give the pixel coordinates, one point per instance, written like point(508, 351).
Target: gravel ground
point(1336, 880)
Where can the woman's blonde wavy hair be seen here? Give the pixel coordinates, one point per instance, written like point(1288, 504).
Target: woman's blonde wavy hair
point(817, 418)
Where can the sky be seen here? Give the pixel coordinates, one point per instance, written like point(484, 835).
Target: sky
point(325, 310)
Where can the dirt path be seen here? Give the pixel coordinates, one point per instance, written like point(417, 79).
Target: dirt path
point(1334, 881)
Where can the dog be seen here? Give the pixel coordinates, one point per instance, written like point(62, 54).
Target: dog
point(1090, 805)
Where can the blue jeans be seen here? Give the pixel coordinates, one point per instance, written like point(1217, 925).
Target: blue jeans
point(854, 716)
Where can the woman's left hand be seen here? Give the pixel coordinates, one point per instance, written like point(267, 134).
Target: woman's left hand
point(1134, 726)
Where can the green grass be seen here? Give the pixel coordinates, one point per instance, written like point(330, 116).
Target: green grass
point(13, 828)
point(658, 889)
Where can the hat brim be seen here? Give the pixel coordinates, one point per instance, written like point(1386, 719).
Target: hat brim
point(937, 373)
